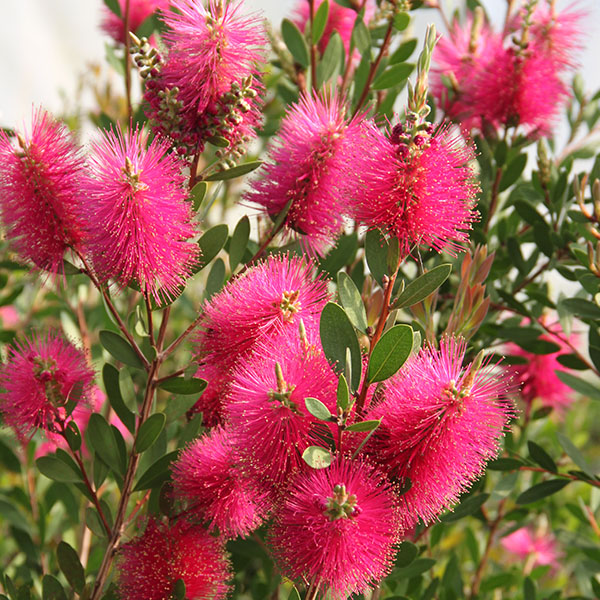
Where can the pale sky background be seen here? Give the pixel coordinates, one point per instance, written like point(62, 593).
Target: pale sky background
point(46, 44)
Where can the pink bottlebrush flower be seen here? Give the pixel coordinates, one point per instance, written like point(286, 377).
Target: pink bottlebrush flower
point(537, 376)
point(460, 59)
point(212, 69)
point(337, 527)
point(340, 20)
point(422, 192)
point(312, 166)
point(40, 191)
point(266, 409)
point(138, 219)
point(210, 403)
point(441, 423)
point(9, 316)
point(139, 11)
point(534, 548)
point(150, 564)
point(207, 478)
point(42, 375)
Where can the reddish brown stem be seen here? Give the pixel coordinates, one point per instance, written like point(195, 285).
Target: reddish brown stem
point(313, 48)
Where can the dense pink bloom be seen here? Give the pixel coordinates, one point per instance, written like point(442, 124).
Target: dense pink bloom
point(213, 58)
point(138, 219)
point(207, 478)
point(210, 403)
point(269, 420)
point(311, 165)
point(42, 375)
point(422, 192)
point(535, 548)
point(537, 376)
point(139, 11)
point(340, 20)
point(150, 565)
point(40, 183)
point(337, 526)
point(441, 423)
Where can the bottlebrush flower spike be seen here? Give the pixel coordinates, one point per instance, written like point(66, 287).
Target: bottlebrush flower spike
point(532, 548)
point(419, 188)
point(266, 410)
point(40, 191)
point(314, 164)
point(206, 477)
point(340, 20)
point(139, 11)
point(40, 378)
point(208, 84)
point(537, 376)
point(336, 528)
point(137, 217)
point(441, 424)
point(150, 565)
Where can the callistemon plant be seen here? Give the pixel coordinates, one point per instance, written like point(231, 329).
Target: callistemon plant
point(279, 331)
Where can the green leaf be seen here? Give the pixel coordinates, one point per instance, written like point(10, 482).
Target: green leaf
point(468, 506)
point(337, 334)
point(317, 457)
point(393, 75)
point(295, 42)
point(529, 591)
point(320, 22)
point(110, 376)
point(156, 473)
point(343, 393)
point(114, 7)
point(149, 432)
point(183, 386)
point(317, 409)
point(541, 457)
point(376, 249)
point(120, 349)
point(341, 255)
point(103, 441)
point(239, 242)
point(361, 38)
point(403, 52)
point(73, 436)
point(68, 561)
point(513, 171)
point(574, 454)
point(581, 308)
point(579, 385)
point(211, 243)
point(424, 285)
point(294, 594)
point(417, 567)
point(542, 490)
point(401, 21)
point(364, 425)
point(9, 459)
point(94, 522)
point(52, 589)
point(179, 590)
point(197, 195)
point(390, 353)
point(56, 469)
point(215, 279)
point(352, 301)
point(407, 552)
point(332, 59)
point(236, 171)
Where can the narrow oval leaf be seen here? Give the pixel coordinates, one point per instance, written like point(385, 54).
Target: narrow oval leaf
point(197, 195)
point(236, 171)
point(149, 432)
point(401, 21)
point(575, 455)
point(467, 507)
point(239, 242)
point(295, 42)
point(56, 469)
point(68, 561)
point(183, 386)
point(352, 301)
point(52, 589)
point(211, 243)
point(579, 385)
point(338, 334)
point(320, 22)
point(541, 457)
point(332, 60)
point(424, 285)
point(376, 249)
point(215, 279)
point(407, 552)
point(317, 457)
point(94, 522)
point(390, 353)
point(364, 426)
point(110, 376)
point(157, 473)
point(392, 76)
point(120, 349)
point(513, 171)
point(103, 441)
point(317, 409)
point(542, 490)
point(343, 393)
point(73, 436)
point(361, 38)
